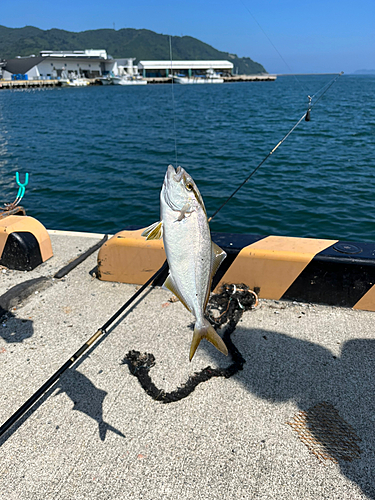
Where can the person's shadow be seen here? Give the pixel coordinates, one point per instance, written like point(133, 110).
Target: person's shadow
point(280, 368)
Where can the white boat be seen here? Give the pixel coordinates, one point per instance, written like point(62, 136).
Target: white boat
point(128, 80)
point(209, 77)
point(106, 80)
point(75, 82)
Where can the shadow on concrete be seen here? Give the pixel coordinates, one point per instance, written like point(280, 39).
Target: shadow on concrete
point(17, 329)
point(280, 368)
point(14, 330)
point(87, 399)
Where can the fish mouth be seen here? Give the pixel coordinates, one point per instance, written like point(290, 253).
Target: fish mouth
point(168, 175)
point(173, 175)
point(178, 174)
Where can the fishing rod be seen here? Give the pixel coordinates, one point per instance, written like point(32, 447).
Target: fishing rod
point(37, 395)
point(305, 116)
point(29, 403)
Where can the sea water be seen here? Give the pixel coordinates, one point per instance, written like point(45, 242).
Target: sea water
point(97, 155)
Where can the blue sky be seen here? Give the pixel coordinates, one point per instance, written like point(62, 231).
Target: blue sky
point(321, 36)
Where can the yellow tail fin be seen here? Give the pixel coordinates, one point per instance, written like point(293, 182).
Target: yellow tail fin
point(207, 332)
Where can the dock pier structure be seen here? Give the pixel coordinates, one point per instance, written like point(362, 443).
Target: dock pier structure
point(28, 84)
point(227, 79)
point(296, 422)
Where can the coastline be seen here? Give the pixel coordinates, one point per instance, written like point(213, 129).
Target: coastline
point(34, 84)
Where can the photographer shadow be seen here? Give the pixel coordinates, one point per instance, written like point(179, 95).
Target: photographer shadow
point(280, 368)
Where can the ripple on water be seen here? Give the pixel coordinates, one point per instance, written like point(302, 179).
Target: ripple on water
point(97, 156)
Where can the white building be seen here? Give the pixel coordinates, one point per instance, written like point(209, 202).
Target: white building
point(188, 68)
point(67, 64)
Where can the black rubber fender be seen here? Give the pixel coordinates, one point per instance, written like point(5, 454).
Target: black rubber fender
point(21, 252)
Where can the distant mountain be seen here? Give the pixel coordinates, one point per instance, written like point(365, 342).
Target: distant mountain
point(364, 72)
point(141, 44)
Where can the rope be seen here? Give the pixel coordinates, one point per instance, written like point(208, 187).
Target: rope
point(231, 303)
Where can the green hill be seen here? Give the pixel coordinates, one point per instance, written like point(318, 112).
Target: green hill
point(141, 44)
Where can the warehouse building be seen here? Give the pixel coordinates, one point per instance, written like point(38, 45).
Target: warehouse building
point(66, 64)
point(96, 63)
point(155, 69)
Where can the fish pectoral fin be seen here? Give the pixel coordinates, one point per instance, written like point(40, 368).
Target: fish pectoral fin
point(170, 284)
point(207, 332)
point(183, 212)
point(218, 255)
point(154, 232)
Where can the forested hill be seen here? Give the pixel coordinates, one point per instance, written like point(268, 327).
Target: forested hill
point(141, 44)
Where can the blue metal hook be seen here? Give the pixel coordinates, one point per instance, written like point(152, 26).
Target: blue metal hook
point(22, 187)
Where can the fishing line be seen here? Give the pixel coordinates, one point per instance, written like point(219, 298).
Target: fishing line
point(304, 116)
point(273, 45)
point(280, 55)
point(173, 101)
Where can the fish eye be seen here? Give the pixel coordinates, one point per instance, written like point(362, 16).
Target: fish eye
point(189, 186)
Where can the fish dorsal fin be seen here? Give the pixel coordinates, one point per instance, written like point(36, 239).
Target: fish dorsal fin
point(170, 284)
point(218, 255)
point(154, 232)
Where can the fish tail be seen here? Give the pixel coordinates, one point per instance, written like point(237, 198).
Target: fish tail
point(206, 331)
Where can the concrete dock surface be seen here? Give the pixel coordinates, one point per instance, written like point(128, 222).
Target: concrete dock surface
point(97, 434)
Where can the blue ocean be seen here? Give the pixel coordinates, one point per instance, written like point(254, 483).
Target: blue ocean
point(97, 155)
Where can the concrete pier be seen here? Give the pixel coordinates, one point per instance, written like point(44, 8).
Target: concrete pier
point(227, 79)
point(250, 78)
point(97, 434)
point(34, 84)
point(27, 84)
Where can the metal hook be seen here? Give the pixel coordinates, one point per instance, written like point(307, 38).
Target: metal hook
point(8, 207)
point(22, 187)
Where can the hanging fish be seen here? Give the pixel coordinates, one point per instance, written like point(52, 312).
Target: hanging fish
point(192, 256)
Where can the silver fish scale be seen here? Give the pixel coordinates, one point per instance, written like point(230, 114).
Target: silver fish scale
point(188, 248)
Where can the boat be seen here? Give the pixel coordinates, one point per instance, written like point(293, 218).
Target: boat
point(106, 80)
point(75, 82)
point(209, 77)
point(128, 80)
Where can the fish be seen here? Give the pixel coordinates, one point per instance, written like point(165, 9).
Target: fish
point(192, 256)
